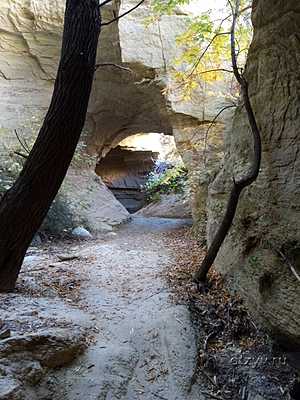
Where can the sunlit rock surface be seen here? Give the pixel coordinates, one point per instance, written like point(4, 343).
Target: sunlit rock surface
point(168, 206)
point(140, 98)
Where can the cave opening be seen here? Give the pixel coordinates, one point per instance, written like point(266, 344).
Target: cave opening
point(126, 167)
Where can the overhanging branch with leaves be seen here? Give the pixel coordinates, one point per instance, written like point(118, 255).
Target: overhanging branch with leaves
point(249, 178)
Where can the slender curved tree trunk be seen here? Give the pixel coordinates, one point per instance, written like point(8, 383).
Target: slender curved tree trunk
point(250, 177)
point(26, 204)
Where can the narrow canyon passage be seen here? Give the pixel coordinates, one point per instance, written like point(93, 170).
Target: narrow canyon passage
point(115, 318)
point(145, 347)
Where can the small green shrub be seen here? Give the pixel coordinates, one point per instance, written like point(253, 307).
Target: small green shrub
point(173, 180)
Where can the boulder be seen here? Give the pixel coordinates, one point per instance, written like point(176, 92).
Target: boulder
point(168, 206)
point(81, 233)
point(51, 348)
point(84, 201)
point(10, 389)
point(37, 240)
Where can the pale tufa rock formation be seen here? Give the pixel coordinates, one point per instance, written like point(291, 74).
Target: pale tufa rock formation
point(268, 216)
point(123, 102)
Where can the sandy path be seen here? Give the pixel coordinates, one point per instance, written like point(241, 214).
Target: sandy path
point(145, 348)
point(112, 294)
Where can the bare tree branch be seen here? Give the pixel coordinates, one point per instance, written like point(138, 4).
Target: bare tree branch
point(203, 73)
point(207, 71)
point(123, 15)
point(242, 11)
point(288, 262)
point(245, 181)
point(205, 51)
point(212, 124)
point(22, 143)
point(211, 42)
point(105, 2)
point(113, 65)
point(191, 73)
point(18, 153)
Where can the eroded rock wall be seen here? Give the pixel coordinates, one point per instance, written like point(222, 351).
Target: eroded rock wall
point(202, 151)
point(268, 216)
point(136, 97)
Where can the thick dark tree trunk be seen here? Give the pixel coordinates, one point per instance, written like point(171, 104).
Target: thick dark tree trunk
point(26, 204)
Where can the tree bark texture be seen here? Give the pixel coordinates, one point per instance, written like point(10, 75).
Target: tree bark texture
point(24, 207)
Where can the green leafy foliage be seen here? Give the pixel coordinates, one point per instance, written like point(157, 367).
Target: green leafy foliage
point(167, 6)
point(206, 51)
point(173, 180)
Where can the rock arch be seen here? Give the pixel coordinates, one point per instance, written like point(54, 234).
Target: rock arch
point(130, 95)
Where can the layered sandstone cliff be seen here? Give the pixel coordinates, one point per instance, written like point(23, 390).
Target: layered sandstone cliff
point(266, 229)
point(138, 97)
point(132, 93)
